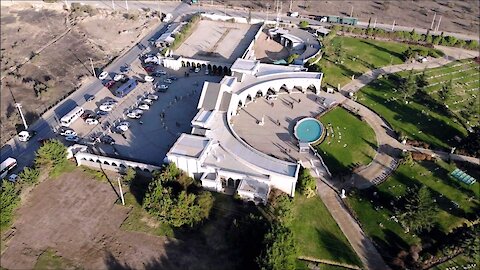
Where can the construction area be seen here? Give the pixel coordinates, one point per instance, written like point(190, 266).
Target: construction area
point(216, 41)
point(46, 52)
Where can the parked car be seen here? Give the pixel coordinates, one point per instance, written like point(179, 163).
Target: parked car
point(149, 69)
point(148, 78)
point(133, 115)
point(158, 73)
point(91, 121)
point(106, 108)
point(123, 126)
point(144, 107)
point(162, 88)
point(138, 111)
point(107, 139)
point(173, 78)
point(151, 59)
point(110, 84)
point(72, 138)
point(103, 75)
point(101, 113)
point(118, 77)
point(147, 101)
point(125, 68)
point(13, 178)
point(24, 136)
point(197, 70)
point(90, 98)
point(206, 71)
point(152, 97)
point(167, 81)
point(67, 132)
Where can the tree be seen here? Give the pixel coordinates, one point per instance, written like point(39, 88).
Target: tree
point(130, 174)
point(52, 153)
point(170, 202)
point(8, 202)
point(29, 175)
point(472, 44)
point(304, 24)
point(421, 81)
point(419, 210)
point(445, 91)
point(282, 206)
point(415, 36)
point(291, 58)
point(280, 251)
point(306, 184)
point(408, 54)
point(408, 86)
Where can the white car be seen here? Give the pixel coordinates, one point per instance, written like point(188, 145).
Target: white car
point(72, 138)
point(147, 101)
point(103, 75)
point(24, 136)
point(149, 78)
point(163, 87)
point(123, 126)
point(167, 81)
point(68, 132)
point(133, 115)
point(151, 59)
point(106, 108)
point(144, 107)
point(118, 77)
point(91, 121)
point(197, 70)
point(152, 97)
point(13, 178)
point(206, 71)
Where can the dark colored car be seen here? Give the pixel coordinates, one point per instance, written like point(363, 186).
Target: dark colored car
point(107, 139)
point(110, 84)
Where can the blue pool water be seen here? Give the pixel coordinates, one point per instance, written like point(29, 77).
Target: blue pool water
point(308, 130)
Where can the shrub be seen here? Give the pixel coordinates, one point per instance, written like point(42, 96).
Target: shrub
point(130, 174)
point(303, 24)
point(280, 250)
point(29, 175)
point(306, 184)
point(52, 153)
point(131, 16)
point(8, 202)
point(291, 58)
point(472, 44)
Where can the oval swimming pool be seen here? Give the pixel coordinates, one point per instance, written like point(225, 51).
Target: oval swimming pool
point(308, 130)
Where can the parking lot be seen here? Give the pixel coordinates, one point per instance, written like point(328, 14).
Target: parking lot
point(149, 138)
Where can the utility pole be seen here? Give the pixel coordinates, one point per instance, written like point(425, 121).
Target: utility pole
point(438, 25)
point(268, 7)
point(433, 21)
point(126, 4)
point(290, 7)
point(375, 22)
point(93, 69)
point(351, 12)
point(66, 3)
point(113, 5)
point(121, 191)
point(393, 25)
point(19, 107)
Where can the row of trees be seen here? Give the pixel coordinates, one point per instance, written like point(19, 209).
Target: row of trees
point(185, 31)
point(51, 155)
point(411, 36)
point(173, 198)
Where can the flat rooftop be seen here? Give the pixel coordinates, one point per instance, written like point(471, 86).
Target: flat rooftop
point(217, 41)
point(189, 145)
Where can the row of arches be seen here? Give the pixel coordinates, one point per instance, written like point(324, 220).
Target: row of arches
point(215, 69)
point(272, 91)
point(117, 164)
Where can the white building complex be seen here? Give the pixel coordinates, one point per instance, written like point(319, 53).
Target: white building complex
point(216, 155)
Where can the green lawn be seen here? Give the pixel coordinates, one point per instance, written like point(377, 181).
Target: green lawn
point(49, 260)
point(348, 130)
point(361, 55)
point(317, 234)
point(417, 120)
point(375, 210)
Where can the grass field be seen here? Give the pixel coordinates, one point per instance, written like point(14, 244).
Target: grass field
point(351, 143)
point(361, 55)
point(49, 260)
point(317, 234)
point(465, 77)
point(373, 210)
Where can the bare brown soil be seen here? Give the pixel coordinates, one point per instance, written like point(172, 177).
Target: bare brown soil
point(457, 16)
point(76, 217)
point(65, 45)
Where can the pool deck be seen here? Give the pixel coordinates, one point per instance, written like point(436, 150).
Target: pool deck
point(271, 138)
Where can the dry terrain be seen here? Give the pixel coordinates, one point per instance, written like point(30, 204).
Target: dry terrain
point(268, 50)
point(45, 53)
point(457, 16)
point(77, 218)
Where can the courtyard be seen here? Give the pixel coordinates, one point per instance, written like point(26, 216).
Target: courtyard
point(219, 42)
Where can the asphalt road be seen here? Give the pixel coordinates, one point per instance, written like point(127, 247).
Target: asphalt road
point(24, 152)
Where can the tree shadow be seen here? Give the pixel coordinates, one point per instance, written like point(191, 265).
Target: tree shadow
point(337, 248)
point(390, 52)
